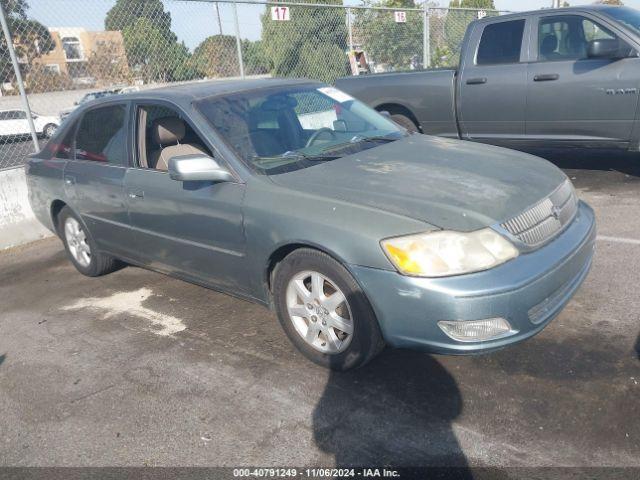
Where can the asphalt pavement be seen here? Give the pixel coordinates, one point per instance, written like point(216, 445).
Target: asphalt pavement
point(136, 368)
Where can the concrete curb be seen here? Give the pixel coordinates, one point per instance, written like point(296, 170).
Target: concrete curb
point(18, 225)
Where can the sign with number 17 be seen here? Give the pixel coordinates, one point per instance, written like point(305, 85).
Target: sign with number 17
point(280, 14)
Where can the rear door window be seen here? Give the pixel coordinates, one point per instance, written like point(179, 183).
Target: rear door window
point(501, 43)
point(102, 135)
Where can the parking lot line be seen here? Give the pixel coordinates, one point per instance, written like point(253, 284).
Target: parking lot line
point(631, 241)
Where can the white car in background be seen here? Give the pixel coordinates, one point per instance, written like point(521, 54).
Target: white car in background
point(14, 123)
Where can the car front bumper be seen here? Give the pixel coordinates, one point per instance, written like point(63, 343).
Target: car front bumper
point(528, 292)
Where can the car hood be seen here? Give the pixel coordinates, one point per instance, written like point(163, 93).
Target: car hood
point(450, 184)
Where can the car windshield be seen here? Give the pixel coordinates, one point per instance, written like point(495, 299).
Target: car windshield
point(282, 129)
point(625, 15)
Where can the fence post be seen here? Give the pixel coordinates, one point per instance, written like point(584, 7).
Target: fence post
point(426, 37)
point(350, 29)
point(238, 42)
point(16, 68)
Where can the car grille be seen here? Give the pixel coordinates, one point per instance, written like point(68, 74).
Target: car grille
point(545, 219)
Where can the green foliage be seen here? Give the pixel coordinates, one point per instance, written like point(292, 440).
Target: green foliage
point(479, 4)
point(30, 38)
point(126, 12)
point(217, 56)
point(151, 54)
point(254, 58)
point(152, 48)
point(387, 42)
point(312, 35)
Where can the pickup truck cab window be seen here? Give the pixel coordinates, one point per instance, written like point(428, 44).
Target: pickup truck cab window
point(501, 43)
point(567, 37)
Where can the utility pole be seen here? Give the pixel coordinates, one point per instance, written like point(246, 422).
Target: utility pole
point(218, 15)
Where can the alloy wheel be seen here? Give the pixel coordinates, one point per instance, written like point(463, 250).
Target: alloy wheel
point(320, 312)
point(77, 242)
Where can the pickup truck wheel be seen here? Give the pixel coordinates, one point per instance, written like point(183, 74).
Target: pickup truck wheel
point(324, 312)
point(405, 122)
point(81, 248)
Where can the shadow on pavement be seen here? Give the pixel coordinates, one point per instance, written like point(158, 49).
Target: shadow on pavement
point(627, 163)
point(2, 357)
point(637, 347)
point(396, 411)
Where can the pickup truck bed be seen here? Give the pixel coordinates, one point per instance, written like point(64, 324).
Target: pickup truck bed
point(426, 98)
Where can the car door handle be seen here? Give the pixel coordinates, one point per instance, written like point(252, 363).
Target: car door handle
point(136, 195)
point(477, 81)
point(546, 77)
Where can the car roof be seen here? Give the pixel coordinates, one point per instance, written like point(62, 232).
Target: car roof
point(557, 11)
point(202, 89)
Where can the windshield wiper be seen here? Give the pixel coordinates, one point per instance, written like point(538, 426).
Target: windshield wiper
point(294, 155)
point(361, 139)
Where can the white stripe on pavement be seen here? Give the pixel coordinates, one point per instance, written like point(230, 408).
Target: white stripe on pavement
point(631, 241)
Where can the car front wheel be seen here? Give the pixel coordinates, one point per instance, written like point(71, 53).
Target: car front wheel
point(324, 312)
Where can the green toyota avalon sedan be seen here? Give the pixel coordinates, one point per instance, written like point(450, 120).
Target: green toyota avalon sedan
point(293, 194)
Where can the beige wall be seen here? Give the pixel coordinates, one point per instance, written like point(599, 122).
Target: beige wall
point(89, 41)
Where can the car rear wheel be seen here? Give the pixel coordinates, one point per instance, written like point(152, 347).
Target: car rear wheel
point(405, 122)
point(81, 248)
point(324, 312)
point(49, 130)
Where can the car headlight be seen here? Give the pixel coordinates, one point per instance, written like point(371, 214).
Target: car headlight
point(444, 253)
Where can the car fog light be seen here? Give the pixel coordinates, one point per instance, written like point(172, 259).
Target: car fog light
point(476, 330)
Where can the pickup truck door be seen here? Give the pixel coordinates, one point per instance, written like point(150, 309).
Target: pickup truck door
point(573, 99)
point(492, 84)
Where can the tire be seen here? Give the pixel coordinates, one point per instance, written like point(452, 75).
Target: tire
point(95, 263)
point(49, 129)
point(340, 350)
point(404, 122)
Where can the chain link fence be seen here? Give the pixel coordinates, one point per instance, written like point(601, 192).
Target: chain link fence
point(68, 52)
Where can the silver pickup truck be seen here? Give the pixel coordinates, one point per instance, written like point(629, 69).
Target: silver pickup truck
point(559, 78)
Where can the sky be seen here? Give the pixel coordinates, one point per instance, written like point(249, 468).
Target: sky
point(194, 21)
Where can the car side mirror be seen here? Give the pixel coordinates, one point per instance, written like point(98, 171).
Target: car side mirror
point(611, 48)
point(188, 168)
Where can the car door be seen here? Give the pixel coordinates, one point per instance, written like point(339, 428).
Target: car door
point(492, 85)
point(21, 124)
point(192, 229)
point(9, 123)
point(574, 99)
point(94, 177)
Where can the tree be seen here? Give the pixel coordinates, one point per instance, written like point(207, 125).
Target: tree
point(152, 48)
point(292, 47)
point(476, 4)
point(254, 58)
point(387, 42)
point(126, 12)
point(217, 56)
point(31, 39)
